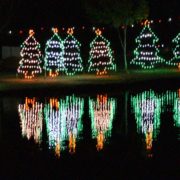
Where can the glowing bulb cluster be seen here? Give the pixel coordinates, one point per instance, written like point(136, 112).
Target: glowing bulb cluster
point(101, 59)
point(29, 65)
point(146, 54)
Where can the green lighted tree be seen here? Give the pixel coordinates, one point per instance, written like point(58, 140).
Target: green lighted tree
point(117, 13)
point(146, 53)
point(175, 61)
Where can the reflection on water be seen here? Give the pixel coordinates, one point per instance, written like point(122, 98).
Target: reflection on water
point(31, 116)
point(101, 110)
point(147, 110)
point(63, 118)
point(55, 125)
point(176, 109)
point(63, 122)
point(72, 111)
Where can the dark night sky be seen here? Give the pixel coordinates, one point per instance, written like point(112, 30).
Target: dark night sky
point(70, 12)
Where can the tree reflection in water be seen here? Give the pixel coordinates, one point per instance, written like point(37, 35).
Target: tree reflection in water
point(102, 111)
point(31, 118)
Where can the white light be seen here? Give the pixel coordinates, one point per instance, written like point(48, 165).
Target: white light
point(170, 19)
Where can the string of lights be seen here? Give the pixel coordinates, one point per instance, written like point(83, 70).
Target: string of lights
point(30, 53)
point(175, 61)
point(146, 54)
point(72, 56)
point(100, 56)
point(54, 52)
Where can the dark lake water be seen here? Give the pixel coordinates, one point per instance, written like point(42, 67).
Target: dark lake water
point(126, 134)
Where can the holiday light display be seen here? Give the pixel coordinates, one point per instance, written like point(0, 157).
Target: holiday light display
point(31, 117)
point(72, 111)
point(176, 52)
point(72, 56)
point(29, 65)
point(54, 52)
point(55, 125)
point(147, 109)
point(146, 54)
point(102, 111)
point(101, 56)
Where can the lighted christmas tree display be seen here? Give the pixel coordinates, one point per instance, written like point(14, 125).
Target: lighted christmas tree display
point(72, 56)
point(102, 111)
point(176, 52)
point(31, 117)
point(29, 65)
point(147, 109)
point(101, 56)
point(72, 111)
point(55, 125)
point(54, 52)
point(146, 54)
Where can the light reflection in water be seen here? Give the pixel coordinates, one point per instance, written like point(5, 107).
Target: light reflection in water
point(170, 101)
point(176, 109)
point(102, 111)
point(31, 117)
point(55, 125)
point(72, 111)
point(63, 121)
point(63, 118)
point(147, 110)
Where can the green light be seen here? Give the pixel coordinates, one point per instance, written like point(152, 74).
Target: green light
point(72, 56)
point(146, 54)
point(175, 61)
point(147, 109)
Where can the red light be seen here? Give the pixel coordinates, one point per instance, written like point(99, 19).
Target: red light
point(20, 32)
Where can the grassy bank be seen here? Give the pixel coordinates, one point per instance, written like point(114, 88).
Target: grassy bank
point(132, 79)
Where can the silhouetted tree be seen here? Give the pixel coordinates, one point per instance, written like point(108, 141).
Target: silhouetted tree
point(117, 13)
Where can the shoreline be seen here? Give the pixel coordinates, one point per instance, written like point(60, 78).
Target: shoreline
point(85, 82)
